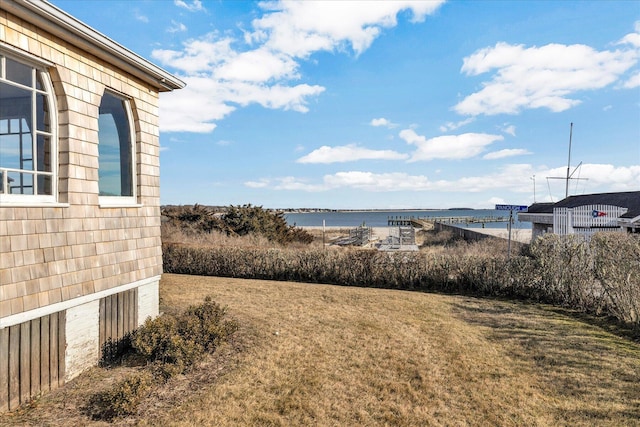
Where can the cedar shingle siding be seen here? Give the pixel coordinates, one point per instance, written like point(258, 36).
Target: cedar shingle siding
point(66, 256)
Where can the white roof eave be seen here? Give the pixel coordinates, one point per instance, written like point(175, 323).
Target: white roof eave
point(59, 23)
point(628, 221)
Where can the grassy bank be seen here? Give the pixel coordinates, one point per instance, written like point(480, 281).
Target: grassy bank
point(598, 276)
point(328, 355)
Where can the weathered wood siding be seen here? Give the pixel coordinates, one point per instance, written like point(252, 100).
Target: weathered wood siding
point(118, 315)
point(32, 359)
point(82, 338)
point(148, 301)
point(66, 256)
point(76, 247)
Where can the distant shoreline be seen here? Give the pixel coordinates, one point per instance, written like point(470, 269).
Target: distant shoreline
point(316, 210)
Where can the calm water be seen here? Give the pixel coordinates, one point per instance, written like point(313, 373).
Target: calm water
point(379, 218)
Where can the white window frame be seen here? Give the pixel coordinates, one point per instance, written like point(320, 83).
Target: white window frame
point(124, 201)
point(39, 67)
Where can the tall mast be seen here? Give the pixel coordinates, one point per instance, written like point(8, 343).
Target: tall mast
point(566, 192)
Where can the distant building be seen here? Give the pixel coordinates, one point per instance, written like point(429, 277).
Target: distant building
point(80, 250)
point(586, 214)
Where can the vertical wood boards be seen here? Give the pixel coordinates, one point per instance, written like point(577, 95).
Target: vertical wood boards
point(118, 315)
point(31, 359)
point(14, 366)
point(4, 369)
point(35, 357)
point(33, 354)
point(25, 361)
point(44, 358)
point(62, 340)
point(53, 352)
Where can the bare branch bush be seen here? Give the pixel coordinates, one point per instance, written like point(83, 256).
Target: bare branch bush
point(601, 276)
point(617, 269)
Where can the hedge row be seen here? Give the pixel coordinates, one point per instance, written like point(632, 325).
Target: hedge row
point(600, 276)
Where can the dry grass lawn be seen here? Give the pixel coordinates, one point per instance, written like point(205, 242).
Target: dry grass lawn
point(327, 355)
point(338, 356)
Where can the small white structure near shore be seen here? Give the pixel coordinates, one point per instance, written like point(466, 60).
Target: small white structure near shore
point(586, 214)
point(399, 239)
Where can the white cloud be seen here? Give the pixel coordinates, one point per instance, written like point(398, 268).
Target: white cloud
point(449, 126)
point(176, 27)
point(495, 201)
point(199, 57)
point(204, 101)
point(263, 183)
point(260, 65)
point(509, 129)
point(194, 6)
point(293, 184)
point(507, 178)
point(140, 17)
point(509, 152)
point(632, 39)
point(301, 28)
point(448, 146)
point(540, 77)
point(348, 153)
point(511, 178)
point(633, 81)
point(194, 108)
point(382, 122)
point(369, 181)
point(602, 177)
point(275, 97)
point(222, 73)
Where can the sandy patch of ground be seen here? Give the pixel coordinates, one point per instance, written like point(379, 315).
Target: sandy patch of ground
point(518, 235)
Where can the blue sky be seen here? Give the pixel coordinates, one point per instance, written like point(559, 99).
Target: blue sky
point(394, 104)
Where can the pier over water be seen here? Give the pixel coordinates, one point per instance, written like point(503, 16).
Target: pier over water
point(427, 222)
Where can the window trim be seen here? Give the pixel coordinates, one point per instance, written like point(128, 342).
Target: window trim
point(41, 70)
point(123, 201)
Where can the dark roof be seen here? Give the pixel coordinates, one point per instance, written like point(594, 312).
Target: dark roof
point(540, 208)
point(629, 200)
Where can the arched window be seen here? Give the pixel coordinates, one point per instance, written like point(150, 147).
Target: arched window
point(116, 153)
point(28, 148)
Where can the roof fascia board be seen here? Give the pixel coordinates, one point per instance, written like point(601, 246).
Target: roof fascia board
point(61, 24)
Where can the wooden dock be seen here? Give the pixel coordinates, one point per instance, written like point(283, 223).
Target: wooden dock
point(427, 222)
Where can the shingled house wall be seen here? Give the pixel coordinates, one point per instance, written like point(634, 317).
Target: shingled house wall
point(65, 259)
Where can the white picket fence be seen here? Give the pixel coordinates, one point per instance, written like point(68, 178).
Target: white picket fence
point(587, 220)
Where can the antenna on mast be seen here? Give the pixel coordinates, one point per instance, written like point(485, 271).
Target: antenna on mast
point(569, 173)
point(566, 191)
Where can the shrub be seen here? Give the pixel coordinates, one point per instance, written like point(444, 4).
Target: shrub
point(439, 238)
point(205, 324)
point(561, 270)
point(122, 399)
point(169, 345)
point(160, 341)
point(617, 270)
point(174, 343)
point(114, 351)
point(234, 221)
point(564, 265)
